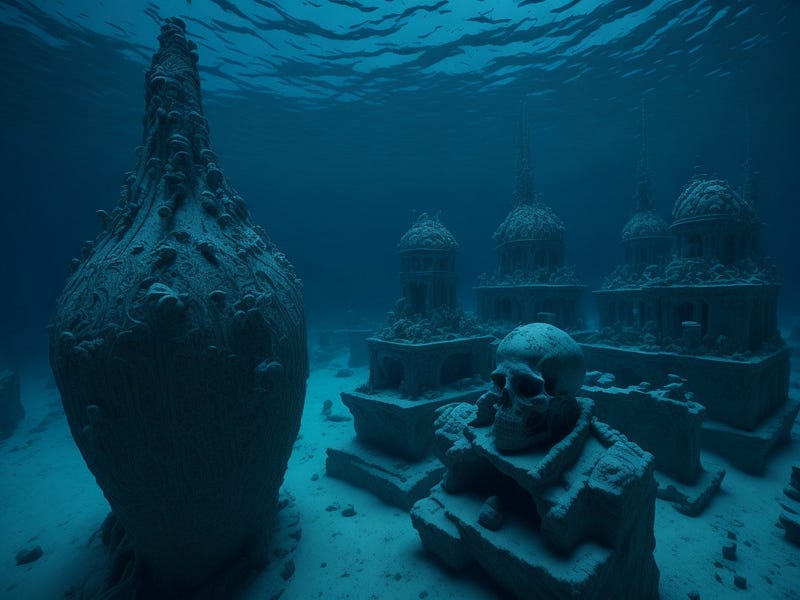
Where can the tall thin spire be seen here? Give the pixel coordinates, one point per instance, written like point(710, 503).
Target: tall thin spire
point(643, 196)
point(523, 192)
point(750, 185)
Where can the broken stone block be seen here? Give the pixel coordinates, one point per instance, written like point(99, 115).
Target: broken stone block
point(666, 422)
point(578, 515)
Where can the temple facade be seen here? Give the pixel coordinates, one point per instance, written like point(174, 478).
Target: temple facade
point(531, 283)
point(707, 311)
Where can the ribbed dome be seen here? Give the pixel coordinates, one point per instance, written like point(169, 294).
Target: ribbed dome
point(535, 221)
point(427, 233)
point(644, 223)
point(709, 198)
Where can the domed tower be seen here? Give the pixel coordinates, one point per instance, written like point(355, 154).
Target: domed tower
point(531, 283)
point(530, 240)
point(645, 238)
point(428, 265)
point(711, 220)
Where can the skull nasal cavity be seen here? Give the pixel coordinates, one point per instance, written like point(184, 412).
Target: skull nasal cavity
point(499, 380)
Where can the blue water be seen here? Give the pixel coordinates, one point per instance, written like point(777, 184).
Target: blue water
point(334, 120)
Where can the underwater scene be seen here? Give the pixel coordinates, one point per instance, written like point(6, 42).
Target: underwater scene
point(389, 299)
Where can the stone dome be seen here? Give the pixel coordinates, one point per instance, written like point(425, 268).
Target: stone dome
point(427, 233)
point(643, 224)
point(711, 198)
point(535, 221)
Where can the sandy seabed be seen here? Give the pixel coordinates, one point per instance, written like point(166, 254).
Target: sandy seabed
point(50, 499)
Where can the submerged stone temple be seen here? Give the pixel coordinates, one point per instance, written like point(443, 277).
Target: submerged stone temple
point(429, 354)
point(179, 349)
point(706, 313)
point(664, 420)
point(542, 496)
point(531, 282)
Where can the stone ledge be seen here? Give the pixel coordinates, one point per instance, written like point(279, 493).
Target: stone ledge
point(392, 479)
point(748, 450)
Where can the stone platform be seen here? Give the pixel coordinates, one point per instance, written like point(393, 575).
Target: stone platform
point(576, 518)
point(748, 409)
point(667, 423)
point(395, 480)
point(748, 450)
point(391, 456)
point(401, 426)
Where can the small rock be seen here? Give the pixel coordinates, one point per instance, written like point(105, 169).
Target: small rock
point(606, 380)
point(740, 582)
point(591, 377)
point(288, 569)
point(694, 595)
point(729, 551)
point(731, 535)
point(342, 373)
point(29, 555)
point(349, 511)
point(331, 507)
point(491, 515)
point(314, 477)
point(327, 405)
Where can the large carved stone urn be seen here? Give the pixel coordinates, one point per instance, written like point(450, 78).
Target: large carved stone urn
point(179, 349)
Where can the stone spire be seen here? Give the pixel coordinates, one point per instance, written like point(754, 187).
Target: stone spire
point(523, 193)
point(750, 185)
point(643, 196)
point(699, 168)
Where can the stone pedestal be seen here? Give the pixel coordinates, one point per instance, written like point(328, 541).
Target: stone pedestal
point(394, 419)
point(414, 369)
point(574, 520)
point(391, 456)
point(669, 428)
point(749, 450)
point(748, 409)
point(395, 480)
point(399, 426)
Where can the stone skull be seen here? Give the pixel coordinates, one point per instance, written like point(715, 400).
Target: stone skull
point(539, 370)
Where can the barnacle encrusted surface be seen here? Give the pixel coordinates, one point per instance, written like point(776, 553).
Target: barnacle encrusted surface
point(704, 198)
point(179, 348)
point(427, 232)
point(535, 221)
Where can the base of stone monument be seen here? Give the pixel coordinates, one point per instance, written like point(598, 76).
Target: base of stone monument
point(518, 559)
point(393, 479)
point(401, 426)
point(690, 499)
point(748, 450)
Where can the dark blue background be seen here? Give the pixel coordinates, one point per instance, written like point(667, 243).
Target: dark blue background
point(334, 187)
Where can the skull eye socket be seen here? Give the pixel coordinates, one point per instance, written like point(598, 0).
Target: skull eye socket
point(529, 387)
point(499, 380)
